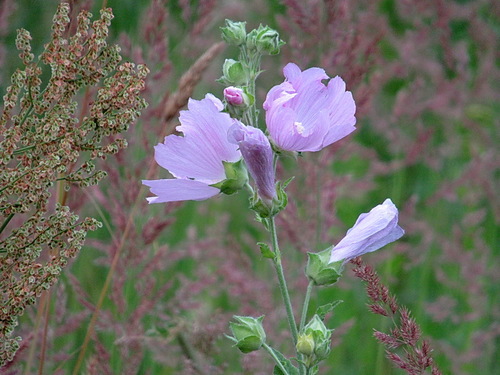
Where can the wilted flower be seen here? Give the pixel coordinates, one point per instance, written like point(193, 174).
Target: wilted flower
point(198, 159)
point(258, 156)
point(371, 231)
point(302, 114)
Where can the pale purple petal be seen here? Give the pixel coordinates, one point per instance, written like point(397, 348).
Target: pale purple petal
point(371, 231)
point(195, 158)
point(258, 156)
point(173, 190)
point(199, 153)
point(302, 114)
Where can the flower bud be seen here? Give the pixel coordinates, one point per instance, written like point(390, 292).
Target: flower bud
point(321, 336)
point(234, 32)
point(265, 40)
point(305, 344)
point(320, 270)
point(258, 156)
point(248, 333)
point(234, 73)
point(234, 96)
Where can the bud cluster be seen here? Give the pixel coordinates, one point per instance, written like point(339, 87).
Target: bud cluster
point(240, 74)
point(314, 342)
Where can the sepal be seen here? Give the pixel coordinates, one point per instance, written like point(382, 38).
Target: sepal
point(236, 177)
point(320, 271)
point(248, 333)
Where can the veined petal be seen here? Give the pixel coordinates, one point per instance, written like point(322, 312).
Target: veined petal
point(199, 153)
point(173, 190)
point(315, 116)
point(258, 156)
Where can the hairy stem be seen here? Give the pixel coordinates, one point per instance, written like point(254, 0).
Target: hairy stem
point(306, 305)
point(282, 282)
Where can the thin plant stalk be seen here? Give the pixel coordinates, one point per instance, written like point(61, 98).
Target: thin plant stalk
point(282, 282)
point(305, 307)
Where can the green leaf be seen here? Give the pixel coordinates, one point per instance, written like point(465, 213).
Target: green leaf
point(265, 250)
point(325, 309)
point(287, 364)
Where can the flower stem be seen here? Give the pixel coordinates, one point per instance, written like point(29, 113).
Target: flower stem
point(306, 305)
point(276, 359)
point(282, 282)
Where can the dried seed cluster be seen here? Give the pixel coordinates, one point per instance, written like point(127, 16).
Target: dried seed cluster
point(46, 137)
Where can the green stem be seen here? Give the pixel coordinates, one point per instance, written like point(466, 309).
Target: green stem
point(276, 359)
point(306, 305)
point(282, 282)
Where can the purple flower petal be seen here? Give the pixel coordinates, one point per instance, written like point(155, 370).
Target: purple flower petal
point(173, 190)
point(197, 157)
point(258, 156)
point(302, 114)
point(371, 231)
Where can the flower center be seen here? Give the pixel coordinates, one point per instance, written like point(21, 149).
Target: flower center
point(299, 127)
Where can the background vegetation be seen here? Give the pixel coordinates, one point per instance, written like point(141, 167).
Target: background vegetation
point(425, 77)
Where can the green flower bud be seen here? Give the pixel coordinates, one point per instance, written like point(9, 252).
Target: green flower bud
point(264, 40)
point(234, 73)
point(248, 333)
point(305, 344)
point(321, 335)
point(320, 271)
point(234, 32)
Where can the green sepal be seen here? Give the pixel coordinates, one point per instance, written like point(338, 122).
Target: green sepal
point(265, 210)
point(236, 177)
point(266, 251)
point(248, 333)
point(234, 73)
point(320, 271)
point(325, 309)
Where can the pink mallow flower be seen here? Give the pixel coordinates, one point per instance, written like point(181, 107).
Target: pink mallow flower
point(195, 159)
point(371, 231)
point(258, 156)
point(234, 95)
point(302, 114)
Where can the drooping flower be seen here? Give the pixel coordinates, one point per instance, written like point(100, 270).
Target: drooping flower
point(303, 114)
point(258, 156)
point(371, 231)
point(197, 159)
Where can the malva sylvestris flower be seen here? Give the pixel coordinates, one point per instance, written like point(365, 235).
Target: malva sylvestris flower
point(371, 231)
point(303, 114)
point(196, 158)
point(258, 156)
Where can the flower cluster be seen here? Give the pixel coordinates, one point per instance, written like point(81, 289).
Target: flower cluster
point(302, 114)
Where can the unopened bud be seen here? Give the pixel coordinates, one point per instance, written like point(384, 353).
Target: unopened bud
point(234, 73)
point(248, 333)
point(234, 32)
